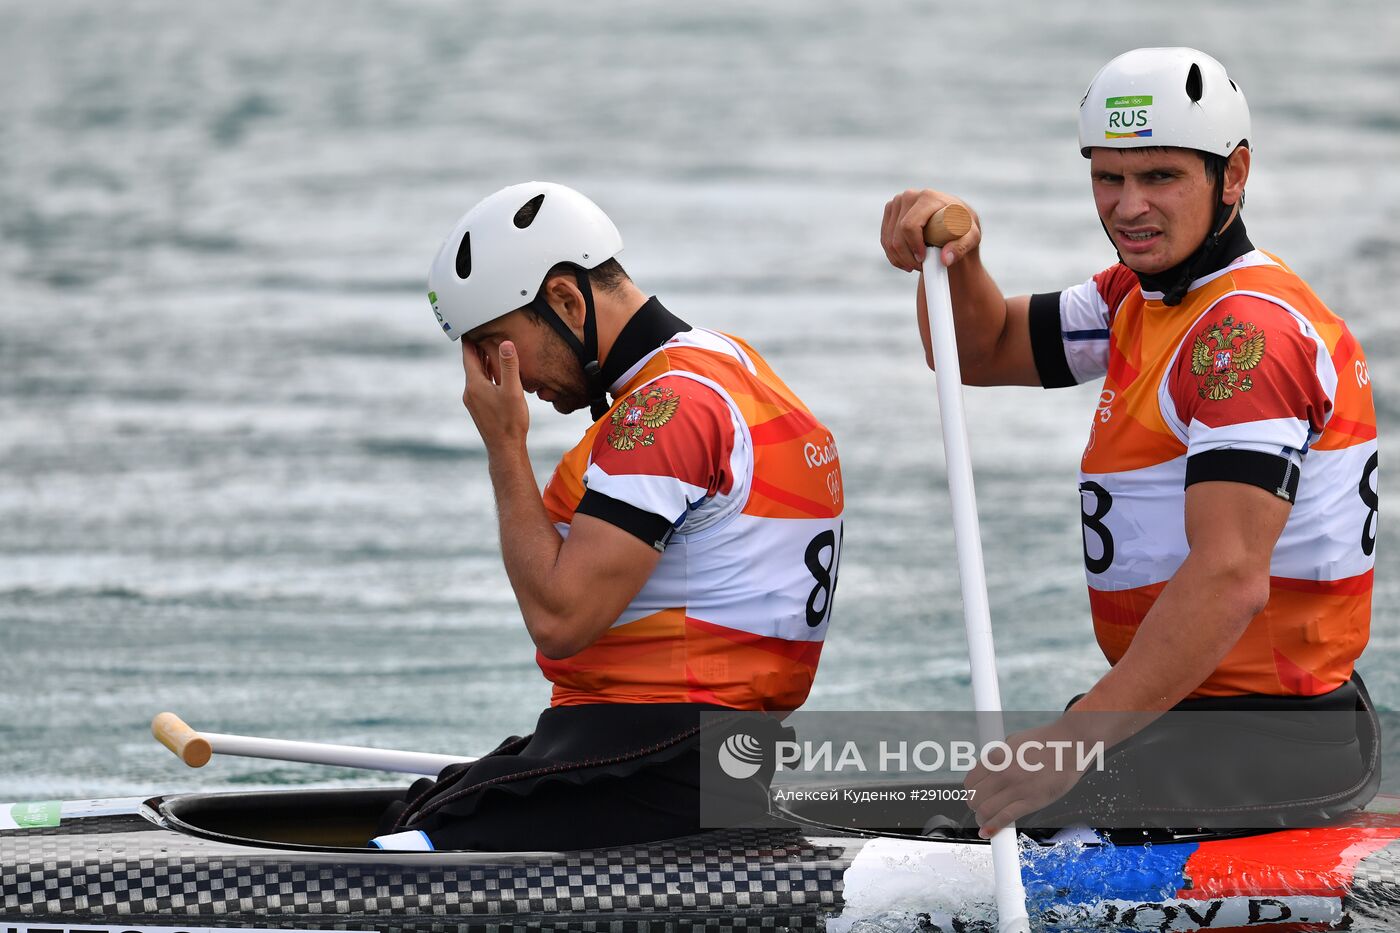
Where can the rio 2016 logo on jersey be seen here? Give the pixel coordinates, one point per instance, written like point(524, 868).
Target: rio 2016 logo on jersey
point(1129, 117)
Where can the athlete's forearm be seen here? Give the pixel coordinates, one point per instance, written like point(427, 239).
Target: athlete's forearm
point(530, 543)
point(989, 352)
point(570, 590)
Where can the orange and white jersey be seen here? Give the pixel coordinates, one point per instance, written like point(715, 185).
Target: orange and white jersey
point(1251, 379)
point(710, 457)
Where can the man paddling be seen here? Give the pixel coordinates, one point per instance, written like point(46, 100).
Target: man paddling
point(1229, 481)
point(682, 558)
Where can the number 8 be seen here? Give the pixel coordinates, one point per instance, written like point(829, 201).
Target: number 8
point(825, 574)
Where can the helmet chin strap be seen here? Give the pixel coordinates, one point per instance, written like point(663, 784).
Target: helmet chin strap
point(585, 350)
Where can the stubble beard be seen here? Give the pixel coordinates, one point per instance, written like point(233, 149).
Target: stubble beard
point(570, 388)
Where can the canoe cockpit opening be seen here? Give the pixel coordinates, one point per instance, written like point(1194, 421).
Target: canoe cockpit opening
point(346, 819)
point(337, 818)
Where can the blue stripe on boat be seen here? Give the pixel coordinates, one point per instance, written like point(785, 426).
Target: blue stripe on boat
point(1072, 874)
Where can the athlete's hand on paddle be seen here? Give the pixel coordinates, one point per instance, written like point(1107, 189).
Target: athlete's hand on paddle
point(1002, 797)
point(494, 396)
point(902, 231)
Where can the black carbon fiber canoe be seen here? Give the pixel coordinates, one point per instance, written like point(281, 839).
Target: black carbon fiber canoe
point(295, 860)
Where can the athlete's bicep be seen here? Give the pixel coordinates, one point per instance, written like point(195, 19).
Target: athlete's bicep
point(1235, 525)
point(608, 563)
point(1013, 361)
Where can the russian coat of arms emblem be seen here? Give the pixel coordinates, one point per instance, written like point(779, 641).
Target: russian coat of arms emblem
point(1223, 354)
point(635, 421)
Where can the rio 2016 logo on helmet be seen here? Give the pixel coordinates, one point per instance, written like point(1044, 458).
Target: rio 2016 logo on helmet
point(432, 300)
point(1164, 97)
point(1129, 117)
point(498, 254)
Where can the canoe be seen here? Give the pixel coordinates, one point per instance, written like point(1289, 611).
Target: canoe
point(295, 859)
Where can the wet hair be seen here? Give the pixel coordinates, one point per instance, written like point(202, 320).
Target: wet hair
point(607, 276)
point(526, 215)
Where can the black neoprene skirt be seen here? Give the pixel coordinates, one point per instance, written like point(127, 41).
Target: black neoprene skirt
point(594, 775)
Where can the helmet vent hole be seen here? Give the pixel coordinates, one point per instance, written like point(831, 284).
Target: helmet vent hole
point(464, 256)
point(1233, 86)
point(1193, 83)
point(526, 215)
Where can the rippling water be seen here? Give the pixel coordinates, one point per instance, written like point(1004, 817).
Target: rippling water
point(236, 480)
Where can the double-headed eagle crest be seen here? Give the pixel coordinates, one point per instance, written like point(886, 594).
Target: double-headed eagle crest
point(1221, 353)
point(635, 421)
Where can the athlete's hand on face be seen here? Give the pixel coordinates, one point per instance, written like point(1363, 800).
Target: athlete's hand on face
point(1002, 797)
point(902, 231)
point(493, 395)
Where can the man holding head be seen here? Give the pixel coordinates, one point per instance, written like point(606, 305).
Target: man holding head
point(682, 558)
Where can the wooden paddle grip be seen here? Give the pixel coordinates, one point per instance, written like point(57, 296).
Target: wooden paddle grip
point(175, 734)
point(950, 223)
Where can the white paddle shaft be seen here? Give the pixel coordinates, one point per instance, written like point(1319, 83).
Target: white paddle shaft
point(342, 756)
point(967, 534)
point(194, 748)
point(972, 574)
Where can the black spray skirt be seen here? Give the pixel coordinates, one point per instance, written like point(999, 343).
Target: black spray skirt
point(598, 774)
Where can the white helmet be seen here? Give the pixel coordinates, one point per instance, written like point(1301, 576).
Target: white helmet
point(1164, 97)
point(498, 254)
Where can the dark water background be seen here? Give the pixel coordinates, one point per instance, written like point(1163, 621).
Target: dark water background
point(236, 480)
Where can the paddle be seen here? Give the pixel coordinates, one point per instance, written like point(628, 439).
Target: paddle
point(195, 748)
point(947, 225)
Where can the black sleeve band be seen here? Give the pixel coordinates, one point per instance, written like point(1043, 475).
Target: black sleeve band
point(650, 527)
point(1277, 474)
point(1047, 346)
